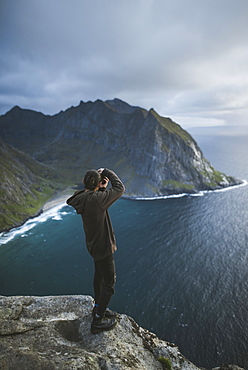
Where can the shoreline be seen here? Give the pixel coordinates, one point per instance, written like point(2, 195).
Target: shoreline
point(180, 195)
point(59, 198)
point(56, 200)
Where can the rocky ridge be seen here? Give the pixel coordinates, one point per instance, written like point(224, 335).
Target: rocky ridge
point(152, 154)
point(53, 333)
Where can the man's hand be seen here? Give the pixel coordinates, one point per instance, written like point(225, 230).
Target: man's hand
point(104, 182)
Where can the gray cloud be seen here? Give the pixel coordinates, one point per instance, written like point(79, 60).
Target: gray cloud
point(186, 59)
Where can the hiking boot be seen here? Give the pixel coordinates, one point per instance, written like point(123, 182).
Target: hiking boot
point(100, 324)
point(108, 313)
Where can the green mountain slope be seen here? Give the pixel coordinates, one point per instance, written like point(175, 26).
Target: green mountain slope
point(25, 186)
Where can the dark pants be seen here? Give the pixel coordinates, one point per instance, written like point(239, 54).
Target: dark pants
point(104, 283)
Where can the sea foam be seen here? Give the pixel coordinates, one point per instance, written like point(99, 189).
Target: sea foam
point(53, 213)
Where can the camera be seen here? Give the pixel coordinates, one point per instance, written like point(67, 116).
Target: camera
point(103, 181)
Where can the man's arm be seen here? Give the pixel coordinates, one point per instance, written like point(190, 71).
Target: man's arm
point(109, 196)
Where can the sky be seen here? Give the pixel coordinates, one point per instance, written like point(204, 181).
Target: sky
point(187, 59)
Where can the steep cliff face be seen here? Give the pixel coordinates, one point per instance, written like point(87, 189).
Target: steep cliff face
point(152, 154)
point(54, 333)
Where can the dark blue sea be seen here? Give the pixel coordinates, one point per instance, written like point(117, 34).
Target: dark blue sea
point(182, 263)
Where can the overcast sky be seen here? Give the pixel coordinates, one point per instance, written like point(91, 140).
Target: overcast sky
point(187, 59)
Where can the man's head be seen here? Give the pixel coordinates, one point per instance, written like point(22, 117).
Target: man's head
point(92, 179)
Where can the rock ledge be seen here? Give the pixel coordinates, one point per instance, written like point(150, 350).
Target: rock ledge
point(48, 333)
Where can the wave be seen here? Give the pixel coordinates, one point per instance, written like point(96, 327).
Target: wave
point(54, 213)
point(199, 194)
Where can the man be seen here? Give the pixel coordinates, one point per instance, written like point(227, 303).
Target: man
point(93, 203)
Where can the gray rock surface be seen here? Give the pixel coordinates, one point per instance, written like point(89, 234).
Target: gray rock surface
point(53, 332)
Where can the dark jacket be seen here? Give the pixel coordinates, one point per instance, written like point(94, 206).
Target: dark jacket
point(93, 207)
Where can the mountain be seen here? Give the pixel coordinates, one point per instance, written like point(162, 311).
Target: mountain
point(152, 154)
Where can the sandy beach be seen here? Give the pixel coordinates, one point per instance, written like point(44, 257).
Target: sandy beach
point(58, 198)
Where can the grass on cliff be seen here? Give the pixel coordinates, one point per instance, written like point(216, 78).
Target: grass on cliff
point(172, 127)
point(177, 185)
point(166, 363)
point(15, 212)
point(25, 185)
point(216, 178)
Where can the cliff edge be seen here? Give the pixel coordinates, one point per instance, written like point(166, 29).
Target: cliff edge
point(54, 333)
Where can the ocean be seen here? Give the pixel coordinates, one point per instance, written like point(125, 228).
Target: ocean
point(182, 262)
